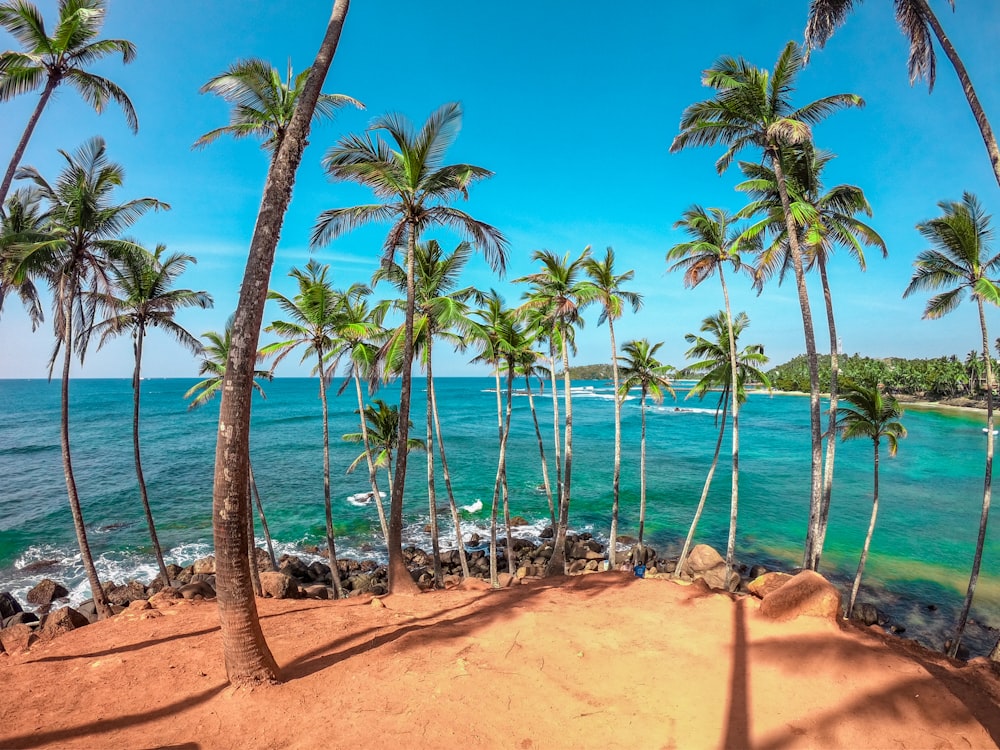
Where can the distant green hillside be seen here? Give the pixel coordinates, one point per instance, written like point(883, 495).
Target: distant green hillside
point(589, 372)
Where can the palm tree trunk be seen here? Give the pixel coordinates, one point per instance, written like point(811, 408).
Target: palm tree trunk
point(331, 542)
point(831, 432)
point(506, 488)
point(642, 469)
point(431, 493)
point(247, 657)
point(704, 492)
point(100, 600)
point(984, 517)
point(541, 450)
point(8, 177)
point(868, 541)
point(616, 481)
point(372, 476)
point(252, 551)
point(810, 559)
point(495, 506)
point(555, 430)
point(263, 518)
point(400, 580)
point(970, 93)
point(452, 505)
point(734, 385)
point(557, 563)
point(136, 383)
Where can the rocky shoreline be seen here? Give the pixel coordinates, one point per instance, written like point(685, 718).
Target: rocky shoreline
point(45, 615)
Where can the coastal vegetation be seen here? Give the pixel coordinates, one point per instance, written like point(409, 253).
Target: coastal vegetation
point(69, 235)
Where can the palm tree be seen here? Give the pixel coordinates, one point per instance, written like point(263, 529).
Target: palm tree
point(418, 188)
point(262, 104)
point(312, 321)
point(715, 242)
point(557, 295)
point(248, 659)
point(974, 370)
point(382, 421)
point(358, 336)
point(441, 311)
point(612, 297)
point(917, 22)
point(641, 369)
point(869, 414)
point(215, 354)
point(49, 61)
point(753, 108)
point(716, 363)
point(528, 367)
point(142, 295)
point(21, 222)
point(960, 260)
point(81, 238)
point(825, 220)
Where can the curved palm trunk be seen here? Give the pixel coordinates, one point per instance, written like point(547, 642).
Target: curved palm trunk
point(557, 563)
point(541, 450)
point(452, 505)
point(868, 540)
point(810, 557)
point(372, 475)
point(616, 480)
point(831, 432)
point(100, 600)
point(263, 518)
point(642, 469)
point(331, 542)
point(734, 376)
point(984, 518)
point(704, 492)
point(970, 93)
point(400, 580)
point(431, 493)
point(497, 489)
point(248, 659)
point(136, 383)
point(8, 177)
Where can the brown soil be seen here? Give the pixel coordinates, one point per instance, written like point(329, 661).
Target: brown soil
point(598, 661)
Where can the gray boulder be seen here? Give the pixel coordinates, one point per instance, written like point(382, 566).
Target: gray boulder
point(46, 592)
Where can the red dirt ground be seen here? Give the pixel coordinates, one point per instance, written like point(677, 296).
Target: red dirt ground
point(598, 661)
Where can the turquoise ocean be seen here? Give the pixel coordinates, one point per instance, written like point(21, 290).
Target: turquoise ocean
point(930, 493)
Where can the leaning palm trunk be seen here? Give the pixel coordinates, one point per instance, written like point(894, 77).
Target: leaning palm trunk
point(810, 558)
point(263, 518)
point(616, 480)
point(400, 580)
point(136, 383)
point(557, 563)
point(372, 474)
point(100, 600)
point(557, 442)
point(506, 487)
point(495, 506)
point(642, 469)
point(331, 542)
point(734, 389)
point(868, 541)
point(831, 433)
point(541, 450)
point(8, 177)
point(431, 493)
point(970, 93)
point(704, 492)
point(452, 505)
point(987, 487)
point(248, 659)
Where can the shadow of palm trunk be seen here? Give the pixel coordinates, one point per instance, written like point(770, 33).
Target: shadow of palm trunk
point(738, 714)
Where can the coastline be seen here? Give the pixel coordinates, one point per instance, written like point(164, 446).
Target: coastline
point(956, 405)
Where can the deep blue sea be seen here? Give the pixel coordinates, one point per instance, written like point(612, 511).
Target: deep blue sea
point(930, 493)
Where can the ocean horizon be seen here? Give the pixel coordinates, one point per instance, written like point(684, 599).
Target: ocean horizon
point(930, 494)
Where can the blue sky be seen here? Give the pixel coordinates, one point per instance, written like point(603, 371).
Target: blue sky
point(573, 105)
